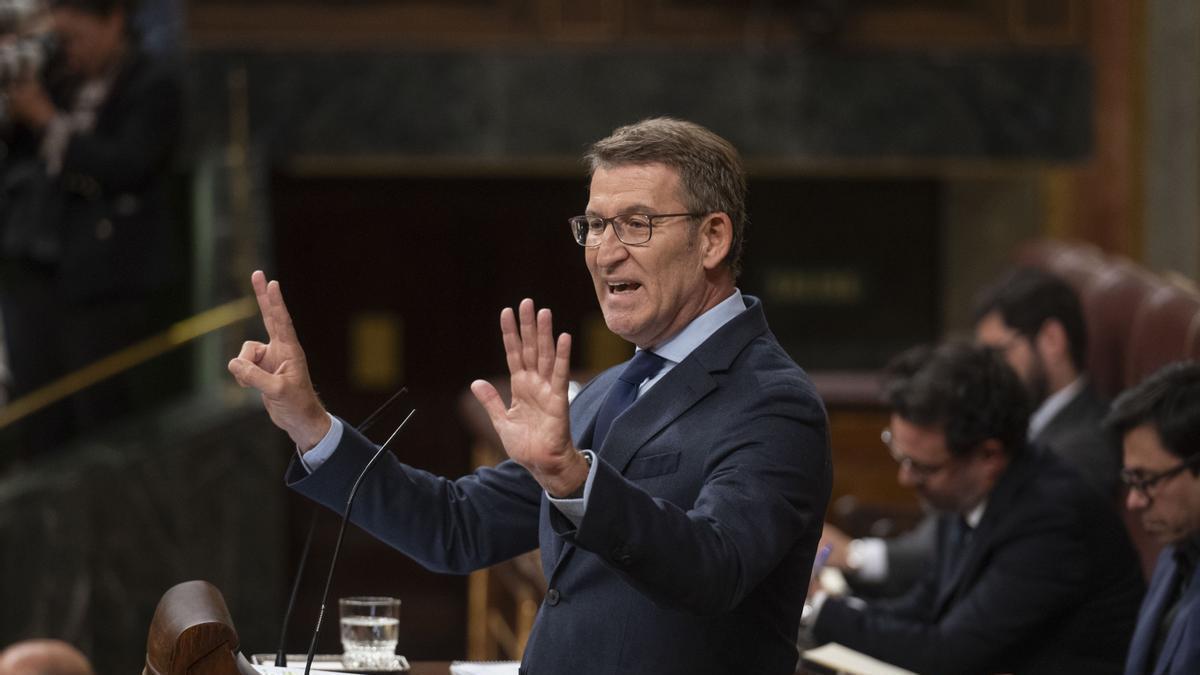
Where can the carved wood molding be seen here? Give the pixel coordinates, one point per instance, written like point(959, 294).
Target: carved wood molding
point(467, 24)
point(319, 24)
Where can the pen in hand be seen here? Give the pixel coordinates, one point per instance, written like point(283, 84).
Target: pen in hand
point(821, 559)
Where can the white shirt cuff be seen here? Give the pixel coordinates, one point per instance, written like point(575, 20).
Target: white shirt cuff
point(321, 452)
point(54, 143)
point(868, 558)
point(574, 509)
point(812, 610)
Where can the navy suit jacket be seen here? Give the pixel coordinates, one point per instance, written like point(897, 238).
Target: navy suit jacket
point(695, 553)
point(1048, 584)
point(1077, 434)
point(1181, 650)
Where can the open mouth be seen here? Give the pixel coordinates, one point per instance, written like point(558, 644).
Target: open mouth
point(626, 287)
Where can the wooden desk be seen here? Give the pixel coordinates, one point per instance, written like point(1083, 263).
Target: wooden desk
point(443, 668)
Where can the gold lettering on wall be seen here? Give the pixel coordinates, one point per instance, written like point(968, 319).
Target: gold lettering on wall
point(801, 286)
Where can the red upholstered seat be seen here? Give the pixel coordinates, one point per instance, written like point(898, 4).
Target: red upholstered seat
point(1166, 328)
point(1076, 263)
point(1110, 301)
point(1137, 322)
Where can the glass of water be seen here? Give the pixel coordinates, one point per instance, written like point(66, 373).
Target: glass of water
point(370, 629)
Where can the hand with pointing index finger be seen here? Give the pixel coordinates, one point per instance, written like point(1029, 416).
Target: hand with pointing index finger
point(279, 371)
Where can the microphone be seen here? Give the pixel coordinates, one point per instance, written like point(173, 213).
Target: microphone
point(281, 653)
point(312, 647)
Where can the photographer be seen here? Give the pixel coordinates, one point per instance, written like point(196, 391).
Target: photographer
point(83, 228)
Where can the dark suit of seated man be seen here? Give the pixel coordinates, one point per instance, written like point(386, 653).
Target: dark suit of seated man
point(1159, 421)
point(1036, 321)
point(1034, 572)
point(682, 539)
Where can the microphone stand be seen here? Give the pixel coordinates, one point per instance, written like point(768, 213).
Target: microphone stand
point(281, 653)
point(312, 648)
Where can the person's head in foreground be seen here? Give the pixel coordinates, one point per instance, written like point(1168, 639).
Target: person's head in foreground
point(43, 657)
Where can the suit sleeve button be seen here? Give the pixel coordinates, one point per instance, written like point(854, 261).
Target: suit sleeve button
point(552, 597)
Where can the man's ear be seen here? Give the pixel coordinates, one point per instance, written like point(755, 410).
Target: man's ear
point(716, 236)
point(1051, 340)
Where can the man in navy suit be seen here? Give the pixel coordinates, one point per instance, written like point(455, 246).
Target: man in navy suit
point(1036, 321)
point(1159, 421)
point(678, 499)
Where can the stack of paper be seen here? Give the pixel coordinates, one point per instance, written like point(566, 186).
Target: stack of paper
point(484, 667)
point(841, 659)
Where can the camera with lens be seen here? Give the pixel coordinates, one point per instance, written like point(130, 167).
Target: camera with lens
point(26, 45)
point(24, 57)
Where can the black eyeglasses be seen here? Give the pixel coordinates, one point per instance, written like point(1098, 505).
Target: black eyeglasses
point(630, 228)
point(1135, 479)
point(919, 470)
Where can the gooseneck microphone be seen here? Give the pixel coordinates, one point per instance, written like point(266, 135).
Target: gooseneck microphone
point(312, 647)
point(281, 652)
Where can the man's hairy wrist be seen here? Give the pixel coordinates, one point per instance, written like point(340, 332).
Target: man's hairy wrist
point(315, 427)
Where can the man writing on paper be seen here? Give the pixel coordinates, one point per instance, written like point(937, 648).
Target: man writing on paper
point(1034, 572)
point(1159, 422)
point(1036, 321)
point(677, 499)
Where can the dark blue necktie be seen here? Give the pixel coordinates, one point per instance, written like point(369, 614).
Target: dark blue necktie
point(958, 540)
point(645, 364)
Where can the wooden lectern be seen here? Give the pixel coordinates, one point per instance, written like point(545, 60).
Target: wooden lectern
point(191, 633)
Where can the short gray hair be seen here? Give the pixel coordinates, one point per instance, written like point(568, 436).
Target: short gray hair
point(710, 168)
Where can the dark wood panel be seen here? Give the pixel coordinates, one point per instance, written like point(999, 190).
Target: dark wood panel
point(847, 268)
point(861, 465)
point(444, 256)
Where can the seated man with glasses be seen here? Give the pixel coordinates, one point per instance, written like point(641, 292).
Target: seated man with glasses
point(1034, 572)
point(1036, 321)
point(1159, 421)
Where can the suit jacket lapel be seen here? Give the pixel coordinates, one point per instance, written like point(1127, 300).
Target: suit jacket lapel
point(948, 586)
point(1187, 606)
point(587, 404)
point(583, 424)
point(641, 421)
point(682, 387)
point(1152, 609)
point(967, 565)
point(669, 398)
point(999, 503)
point(1084, 405)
